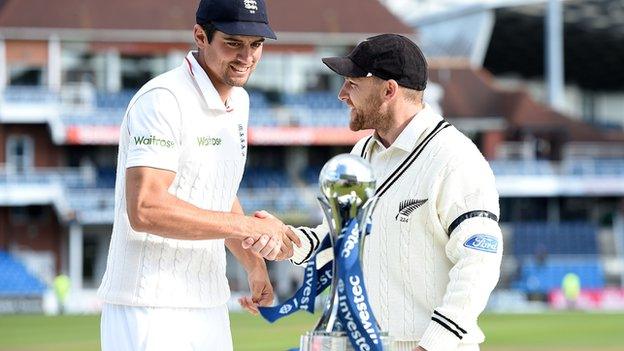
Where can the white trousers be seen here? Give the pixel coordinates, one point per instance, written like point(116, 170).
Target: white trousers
point(132, 328)
point(411, 345)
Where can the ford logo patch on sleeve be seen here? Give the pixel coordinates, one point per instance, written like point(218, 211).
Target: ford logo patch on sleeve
point(482, 242)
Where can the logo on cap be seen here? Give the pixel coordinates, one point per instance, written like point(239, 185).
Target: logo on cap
point(251, 5)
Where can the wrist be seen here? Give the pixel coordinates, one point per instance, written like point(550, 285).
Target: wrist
point(256, 266)
point(246, 227)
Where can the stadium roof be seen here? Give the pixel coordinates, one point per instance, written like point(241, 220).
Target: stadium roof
point(470, 92)
point(593, 43)
point(318, 17)
point(514, 43)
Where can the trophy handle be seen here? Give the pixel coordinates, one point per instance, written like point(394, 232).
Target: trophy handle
point(364, 215)
point(328, 319)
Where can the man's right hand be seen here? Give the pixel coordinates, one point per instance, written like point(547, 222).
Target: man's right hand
point(287, 239)
point(267, 237)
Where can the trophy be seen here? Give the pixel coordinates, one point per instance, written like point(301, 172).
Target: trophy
point(347, 186)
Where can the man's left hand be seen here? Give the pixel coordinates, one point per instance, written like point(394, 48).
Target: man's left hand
point(261, 291)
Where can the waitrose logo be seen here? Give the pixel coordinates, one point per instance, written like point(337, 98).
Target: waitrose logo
point(152, 140)
point(208, 141)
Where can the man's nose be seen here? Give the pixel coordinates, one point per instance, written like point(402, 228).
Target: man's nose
point(245, 55)
point(342, 94)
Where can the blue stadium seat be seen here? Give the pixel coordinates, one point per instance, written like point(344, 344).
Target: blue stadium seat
point(544, 277)
point(15, 280)
point(260, 177)
point(106, 177)
point(574, 238)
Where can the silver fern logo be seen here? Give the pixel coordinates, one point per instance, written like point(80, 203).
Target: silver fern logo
point(406, 208)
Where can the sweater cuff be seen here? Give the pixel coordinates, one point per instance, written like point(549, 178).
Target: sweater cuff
point(303, 253)
point(438, 337)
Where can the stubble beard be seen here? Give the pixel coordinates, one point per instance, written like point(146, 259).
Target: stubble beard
point(370, 116)
point(236, 81)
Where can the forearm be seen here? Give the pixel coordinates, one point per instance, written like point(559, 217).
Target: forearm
point(247, 258)
point(171, 217)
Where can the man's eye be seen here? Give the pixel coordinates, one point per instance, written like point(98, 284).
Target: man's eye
point(256, 45)
point(233, 44)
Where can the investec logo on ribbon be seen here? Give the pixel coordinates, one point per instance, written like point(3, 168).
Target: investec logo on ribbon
point(360, 304)
point(153, 141)
point(352, 239)
point(307, 290)
point(208, 141)
point(285, 309)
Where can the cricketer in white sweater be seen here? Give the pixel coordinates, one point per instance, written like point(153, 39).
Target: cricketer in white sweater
point(433, 256)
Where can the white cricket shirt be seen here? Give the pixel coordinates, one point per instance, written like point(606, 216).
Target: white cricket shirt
point(434, 252)
point(177, 122)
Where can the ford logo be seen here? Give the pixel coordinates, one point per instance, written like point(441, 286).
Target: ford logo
point(482, 242)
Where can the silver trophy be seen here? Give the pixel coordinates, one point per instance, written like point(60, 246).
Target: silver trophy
point(347, 186)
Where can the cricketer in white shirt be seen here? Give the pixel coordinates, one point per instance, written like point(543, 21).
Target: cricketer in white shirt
point(175, 122)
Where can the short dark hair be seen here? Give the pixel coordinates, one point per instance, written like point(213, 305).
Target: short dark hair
point(209, 29)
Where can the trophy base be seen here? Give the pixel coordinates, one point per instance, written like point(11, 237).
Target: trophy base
point(335, 341)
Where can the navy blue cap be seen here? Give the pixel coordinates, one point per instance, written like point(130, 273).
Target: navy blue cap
point(236, 17)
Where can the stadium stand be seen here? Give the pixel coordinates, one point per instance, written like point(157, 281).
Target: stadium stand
point(558, 158)
point(548, 251)
point(571, 238)
point(544, 277)
point(15, 280)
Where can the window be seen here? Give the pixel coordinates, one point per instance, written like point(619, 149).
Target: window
point(19, 153)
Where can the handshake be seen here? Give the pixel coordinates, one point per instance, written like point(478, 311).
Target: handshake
point(272, 239)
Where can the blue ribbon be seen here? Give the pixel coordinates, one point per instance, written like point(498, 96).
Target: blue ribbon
point(314, 282)
point(354, 312)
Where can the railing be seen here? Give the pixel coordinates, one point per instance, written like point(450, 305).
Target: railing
point(90, 192)
point(81, 105)
point(569, 167)
point(71, 177)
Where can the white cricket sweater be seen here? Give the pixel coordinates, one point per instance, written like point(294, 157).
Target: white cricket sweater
point(177, 122)
point(434, 252)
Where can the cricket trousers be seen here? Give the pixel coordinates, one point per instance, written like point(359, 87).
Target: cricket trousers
point(411, 345)
point(136, 328)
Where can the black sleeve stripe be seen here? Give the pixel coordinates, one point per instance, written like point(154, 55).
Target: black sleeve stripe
point(449, 320)
point(311, 234)
point(309, 252)
point(468, 215)
point(363, 152)
point(447, 327)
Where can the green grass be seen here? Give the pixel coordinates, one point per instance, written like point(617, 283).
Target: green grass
point(549, 331)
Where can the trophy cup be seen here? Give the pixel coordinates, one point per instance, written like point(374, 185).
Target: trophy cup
point(347, 186)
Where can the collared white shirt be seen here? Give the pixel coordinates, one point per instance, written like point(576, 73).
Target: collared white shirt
point(177, 122)
point(434, 252)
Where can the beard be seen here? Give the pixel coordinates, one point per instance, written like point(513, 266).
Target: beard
point(235, 81)
point(370, 116)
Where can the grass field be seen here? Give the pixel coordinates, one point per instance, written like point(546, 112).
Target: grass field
point(551, 331)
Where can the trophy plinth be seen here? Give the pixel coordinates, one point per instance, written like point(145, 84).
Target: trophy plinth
point(348, 198)
point(335, 341)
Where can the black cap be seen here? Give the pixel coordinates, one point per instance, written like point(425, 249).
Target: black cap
point(387, 56)
point(236, 17)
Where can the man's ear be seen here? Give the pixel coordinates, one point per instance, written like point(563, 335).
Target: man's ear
point(200, 36)
point(391, 89)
